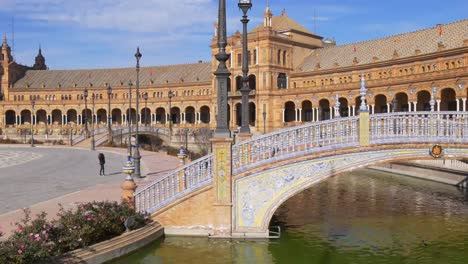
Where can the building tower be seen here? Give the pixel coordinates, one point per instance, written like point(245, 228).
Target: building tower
point(5, 60)
point(40, 61)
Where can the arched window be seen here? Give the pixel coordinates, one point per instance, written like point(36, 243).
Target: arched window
point(238, 83)
point(252, 82)
point(282, 81)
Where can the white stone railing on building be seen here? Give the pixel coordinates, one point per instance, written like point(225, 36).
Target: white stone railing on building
point(175, 185)
point(404, 127)
point(295, 141)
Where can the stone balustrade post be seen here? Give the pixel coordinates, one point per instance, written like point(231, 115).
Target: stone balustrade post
point(128, 191)
point(222, 183)
point(364, 128)
point(182, 181)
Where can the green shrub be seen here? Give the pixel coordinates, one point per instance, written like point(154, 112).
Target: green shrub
point(39, 239)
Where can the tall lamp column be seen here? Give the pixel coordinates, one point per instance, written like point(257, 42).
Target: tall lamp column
point(245, 5)
point(170, 94)
point(86, 112)
point(109, 114)
point(129, 118)
point(33, 102)
point(222, 75)
point(93, 143)
point(145, 97)
point(136, 153)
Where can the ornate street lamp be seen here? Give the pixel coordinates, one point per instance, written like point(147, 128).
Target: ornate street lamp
point(33, 102)
point(129, 117)
point(222, 74)
point(86, 111)
point(170, 94)
point(145, 97)
point(136, 154)
point(109, 114)
point(245, 5)
point(93, 143)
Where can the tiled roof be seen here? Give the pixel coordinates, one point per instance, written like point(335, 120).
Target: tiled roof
point(284, 23)
point(183, 73)
point(426, 41)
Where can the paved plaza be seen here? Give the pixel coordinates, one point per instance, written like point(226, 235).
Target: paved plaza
point(33, 175)
point(42, 177)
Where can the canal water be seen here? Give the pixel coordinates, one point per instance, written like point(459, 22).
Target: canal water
point(363, 216)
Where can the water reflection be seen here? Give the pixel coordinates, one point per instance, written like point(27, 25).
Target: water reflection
point(359, 217)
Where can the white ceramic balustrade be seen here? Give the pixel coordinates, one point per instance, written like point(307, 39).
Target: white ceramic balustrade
point(295, 141)
point(175, 185)
point(422, 127)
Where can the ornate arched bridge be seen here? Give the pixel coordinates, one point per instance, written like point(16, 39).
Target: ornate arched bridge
point(235, 190)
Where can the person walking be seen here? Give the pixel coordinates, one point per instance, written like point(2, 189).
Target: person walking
point(102, 161)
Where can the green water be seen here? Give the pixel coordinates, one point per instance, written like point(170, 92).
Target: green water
point(359, 217)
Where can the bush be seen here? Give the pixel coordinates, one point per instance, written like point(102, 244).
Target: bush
point(91, 223)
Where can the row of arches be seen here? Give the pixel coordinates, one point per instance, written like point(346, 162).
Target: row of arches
point(146, 116)
point(304, 112)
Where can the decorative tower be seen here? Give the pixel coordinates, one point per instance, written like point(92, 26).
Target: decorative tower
point(40, 61)
point(267, 16)
point(5, 59)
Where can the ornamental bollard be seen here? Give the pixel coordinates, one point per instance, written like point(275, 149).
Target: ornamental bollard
point(182, 181)
point(128, 186)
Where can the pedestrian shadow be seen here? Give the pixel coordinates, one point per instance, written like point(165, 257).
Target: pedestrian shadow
point(114, 173)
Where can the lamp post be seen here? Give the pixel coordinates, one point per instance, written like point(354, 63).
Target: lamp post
point(129, 117)
point(222, 74)
point(245, 5)
point(33, 102)
point(264, 119)
point(93, 143)
point(86, 111)
point(136, 153)
point(145, 97)
point(109, 114)
point(170, 94)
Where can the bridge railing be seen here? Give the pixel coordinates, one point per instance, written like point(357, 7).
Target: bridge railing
point(403, 127)
point(295, 141)
point(175, 185)
point(77, 139)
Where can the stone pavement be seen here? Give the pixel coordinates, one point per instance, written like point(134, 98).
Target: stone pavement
point(65, 175)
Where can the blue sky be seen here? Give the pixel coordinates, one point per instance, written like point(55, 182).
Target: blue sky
point(76, 34)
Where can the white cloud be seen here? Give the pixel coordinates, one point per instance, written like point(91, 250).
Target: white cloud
point(125, 15)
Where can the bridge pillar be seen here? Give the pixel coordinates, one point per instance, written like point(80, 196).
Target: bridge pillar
point(222, 181)
point(364, 128)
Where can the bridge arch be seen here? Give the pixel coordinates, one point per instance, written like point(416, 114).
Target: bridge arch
point(258, 195)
